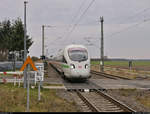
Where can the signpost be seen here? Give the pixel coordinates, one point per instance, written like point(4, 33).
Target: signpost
point(39, 77)
point(26, 64)
point(28, 89)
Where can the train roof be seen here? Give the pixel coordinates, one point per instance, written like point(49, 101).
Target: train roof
point(75, 46)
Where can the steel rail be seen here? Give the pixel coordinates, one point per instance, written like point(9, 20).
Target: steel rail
point(87, 102)
point(116, 102)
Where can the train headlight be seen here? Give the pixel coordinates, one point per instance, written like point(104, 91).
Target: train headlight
point(86, 66)
point(72, 66)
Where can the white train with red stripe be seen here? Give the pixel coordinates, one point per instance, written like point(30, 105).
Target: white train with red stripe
point(74, 62)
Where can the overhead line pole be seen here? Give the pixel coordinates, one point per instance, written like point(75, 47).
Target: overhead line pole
point(25, 51)
point(102, 46)
point(43, 28)
point(42, 40)
point(28, 89)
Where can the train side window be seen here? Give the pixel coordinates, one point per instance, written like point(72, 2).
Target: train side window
point(64, 60)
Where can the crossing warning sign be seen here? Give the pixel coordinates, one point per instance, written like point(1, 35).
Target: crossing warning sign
point(28, 61)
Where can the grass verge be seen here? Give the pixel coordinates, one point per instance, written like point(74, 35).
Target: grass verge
point(13, 99)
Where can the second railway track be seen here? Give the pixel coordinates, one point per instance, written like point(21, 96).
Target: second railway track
point(108, 75)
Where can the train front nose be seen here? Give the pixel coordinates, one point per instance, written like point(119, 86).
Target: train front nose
point(80, 71)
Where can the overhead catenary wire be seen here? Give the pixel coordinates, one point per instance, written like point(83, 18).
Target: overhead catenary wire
point(130, 27)
point(73, 28)
point(133, 16)
point(79, 18)
point(73, 18)
point(115, 33)
point(76, 15)
point(142, 11)
point(130, 17)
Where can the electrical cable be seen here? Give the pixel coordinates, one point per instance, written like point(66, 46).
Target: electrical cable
point(128, 28)
point(80, 18)
point(82, 4)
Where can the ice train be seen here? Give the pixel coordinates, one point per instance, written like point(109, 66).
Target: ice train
point(74, 62)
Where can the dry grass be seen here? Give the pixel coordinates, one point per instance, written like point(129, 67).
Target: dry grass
point(145, 100)
point(13, 99)
point(47, 84)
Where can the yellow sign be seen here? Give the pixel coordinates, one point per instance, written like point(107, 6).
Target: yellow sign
point(28, 61)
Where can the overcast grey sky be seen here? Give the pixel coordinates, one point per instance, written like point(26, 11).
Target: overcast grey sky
point(126, 25)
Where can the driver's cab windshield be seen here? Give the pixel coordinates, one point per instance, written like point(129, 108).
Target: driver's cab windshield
point(78, 54)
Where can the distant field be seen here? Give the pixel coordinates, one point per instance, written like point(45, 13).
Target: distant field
point(123, 63)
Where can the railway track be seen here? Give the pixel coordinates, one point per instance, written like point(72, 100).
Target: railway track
point(98, 101)
point(95, 100)
point(108, 75)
